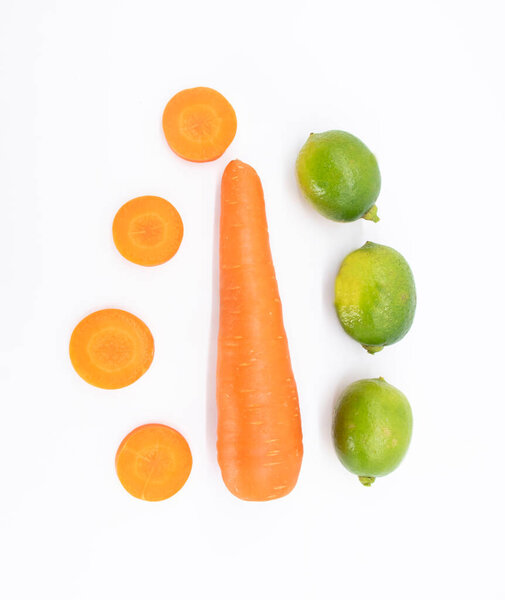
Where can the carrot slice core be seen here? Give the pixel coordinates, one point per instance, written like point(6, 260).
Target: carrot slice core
point(111, 348)
point(153, 462)
point(199, 122)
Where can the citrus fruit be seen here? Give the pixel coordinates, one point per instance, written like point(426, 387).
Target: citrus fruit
point(372, 427)
point(339, 175)
point(375, 296)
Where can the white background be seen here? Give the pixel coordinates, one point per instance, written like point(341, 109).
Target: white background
point(82, 90)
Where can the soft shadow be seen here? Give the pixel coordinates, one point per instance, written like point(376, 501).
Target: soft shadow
point(331, 403)
point(350, 236)
point(292, 184)
point(214, 326)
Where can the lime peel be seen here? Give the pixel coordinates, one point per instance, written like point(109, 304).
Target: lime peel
point(339, 175)
point(375, 296)
point(371, 428)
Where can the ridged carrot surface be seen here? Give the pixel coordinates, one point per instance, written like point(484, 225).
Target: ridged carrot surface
point(259, 436)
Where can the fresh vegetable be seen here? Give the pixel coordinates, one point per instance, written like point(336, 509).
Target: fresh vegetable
point(111, 348)
point(153, 462)
point(147, 230)
point(375, 296)
point(259, 437)
point(339, 175)
point(199, 124)
point(372, 427)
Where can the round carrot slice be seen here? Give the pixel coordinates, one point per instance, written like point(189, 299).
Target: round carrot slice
point(147, 230)
point(199, 124)
point(111, 348)
point(153, 462)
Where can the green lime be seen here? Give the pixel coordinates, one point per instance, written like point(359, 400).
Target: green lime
point(375, 296)
point(339, 175)
point(372, 427)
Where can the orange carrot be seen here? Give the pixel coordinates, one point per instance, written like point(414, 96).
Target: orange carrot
point(259, 436)
point(153, 462)
point(111, 348)
point(147, 230)
point(199, 124)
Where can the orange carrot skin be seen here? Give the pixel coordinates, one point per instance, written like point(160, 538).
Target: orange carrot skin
point(259, 436)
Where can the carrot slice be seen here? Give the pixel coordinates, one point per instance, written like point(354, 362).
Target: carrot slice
point(199, 124)
point(153, 462)
point(147, 230)
point(111, 348)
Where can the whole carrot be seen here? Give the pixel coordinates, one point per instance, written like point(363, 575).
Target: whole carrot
point(259, 435)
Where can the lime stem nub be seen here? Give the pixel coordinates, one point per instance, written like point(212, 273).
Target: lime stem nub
point(371, 214)
point(372, 349)
point(366, 481)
